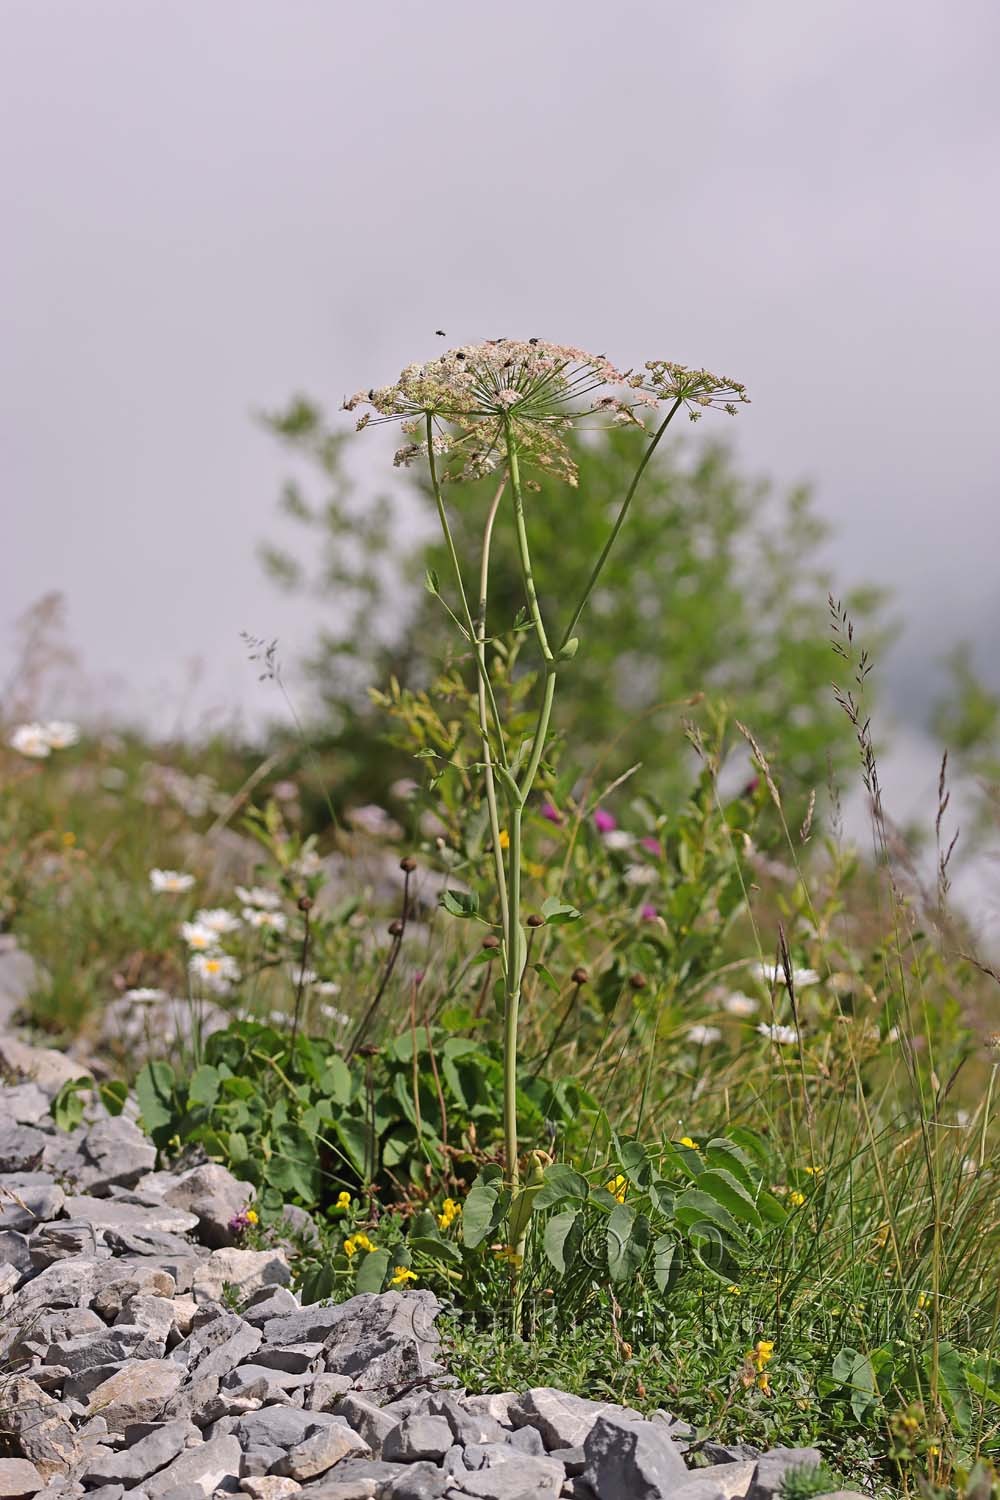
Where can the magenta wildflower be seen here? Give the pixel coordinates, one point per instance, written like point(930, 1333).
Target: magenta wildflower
point(648, 912)
point(652, 846)
point(551, 812)
point(604, 821)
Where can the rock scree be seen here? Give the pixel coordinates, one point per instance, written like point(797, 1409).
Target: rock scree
point(129, 1376)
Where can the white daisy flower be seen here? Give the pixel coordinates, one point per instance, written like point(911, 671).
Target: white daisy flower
point(738, 1004)
point(276, 921)
point(640, 875)
point(199, 938)
point(60, 733)
point(217, 971)
point(257, 895)
point(618, 838)
point(773, 974)
point(170, 880)
point(302, 976)
point(145, 996)
point(308, 863)
point(783, 1036)
point(704, 1036)
point(328, 987)
point(31, 740)
point(336, 1016)
point(217, 919)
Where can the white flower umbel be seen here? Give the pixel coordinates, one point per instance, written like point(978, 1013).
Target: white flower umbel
point(61, 733)
point(199, 938)
point(216, 971)
point(30, 740)
point(772, 974)
point(218, 919)
point(704, 1036)
point(257, 895)
point(275, 921)
point(782, 1036)
point(738, 1004)
point(171, 881)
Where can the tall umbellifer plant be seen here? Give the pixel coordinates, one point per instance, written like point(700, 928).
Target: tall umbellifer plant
point(505, 407)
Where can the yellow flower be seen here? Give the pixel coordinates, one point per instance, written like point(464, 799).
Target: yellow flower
point(509, 1254)
point(923, 1301)
point(616, 1187)
point(532, 868)
point(69, 839)
point(252, 1216)
point(796, 1199)
point(689, 1143)
point(450, 1210)
point(343, 1201)
point(357, 1242)
point(761, 1354)
point(734, 1290)
point(504, 839)
point(814, 1171)
point(764, 1384)
point(401, 1275)
point(881, 1235)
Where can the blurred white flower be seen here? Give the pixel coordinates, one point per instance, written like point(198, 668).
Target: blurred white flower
point(217, 919)
point(638, 874)
point(199, 938)
point(30, 739)
point(738, 1004)
point(404, 789)
point(374, 820)
point(773, 974)
point(60, 733)
point(276, 921)
point(113, 778)
point(618, 838)
point(217, 971)
point(336, 1016)
point(257, 895)
point(308, 863)
point(892, 1035)
point(328, 987)
point(285, 791)
point(144, 996)
point(704, 1036)
point(784, 1036)
point(302, 976)
point(170, 880)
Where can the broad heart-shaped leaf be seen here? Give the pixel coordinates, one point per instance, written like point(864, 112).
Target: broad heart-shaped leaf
point(556, 912)
point(371, 1272)
point(292, 1167)
point(460, 903)
point(563, 1237)
point(854, 1370)
point(729, 1157)
point(731, 1194)
point(67, 1107)
point(666, 1261)
point(713, 1255)
point(561, 1182)
point(769, 1208)
point(628, 1242)
point(694, 1207)
point(635, 1162)
point(480, 1212)
point(954, 1385)
point(204, 1086)
point(444, 1252)
point(154, 1090)
point(337, 1081)
point(113, 1093)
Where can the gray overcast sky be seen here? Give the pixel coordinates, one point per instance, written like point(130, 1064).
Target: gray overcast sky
point(208, 206)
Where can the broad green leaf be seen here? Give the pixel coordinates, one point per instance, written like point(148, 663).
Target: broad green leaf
point(954, 1385)
point(666, 1261)
point(627, 1241)
point(546, 977)
point(67, 1107)
point(693, 1206)
point(560, 1182)
point(854, 1370)
point(479, 1213)
point(460, 903)
point(113, 1094)
point(731, 1194)
point(445, 1252)
point(204, 1086)
point(337, 1081)
point(372, 1270)
point(556, 912)
point(729, 1157)
point(154, 1089)
point(562, 1238)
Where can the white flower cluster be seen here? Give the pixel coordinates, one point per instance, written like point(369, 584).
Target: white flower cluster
point(39, 740)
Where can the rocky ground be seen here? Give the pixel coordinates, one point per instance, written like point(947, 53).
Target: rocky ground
point(142, 1351)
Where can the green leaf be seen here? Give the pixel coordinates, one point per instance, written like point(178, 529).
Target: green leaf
point(432, 582)
point(479, 1212)
point(460, 903)
point(694, 1206)
point(731, 1194)
point(560, 1182)
point(666, 1262)
point(563, 1237)
point(372, 1271)
point(854, 1370)
point(954, 1385)
point(337, 1081)
point(627, 1242)
point(67, 1107)
point(113, 1094)
point(204, 1086)
point(445, 1252)
point(154, 1089)
point(557, 912)
point(728, 1156)
point(546, 977)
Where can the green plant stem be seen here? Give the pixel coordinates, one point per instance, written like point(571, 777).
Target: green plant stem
point(619, 523)
point(484, 727)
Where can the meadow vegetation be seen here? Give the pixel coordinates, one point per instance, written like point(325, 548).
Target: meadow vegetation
point(736, 1155)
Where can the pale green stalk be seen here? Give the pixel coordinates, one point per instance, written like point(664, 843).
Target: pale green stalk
point(491, 791)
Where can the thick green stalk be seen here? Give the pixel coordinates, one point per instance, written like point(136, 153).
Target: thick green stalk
point(598, 567)
point(484, 728)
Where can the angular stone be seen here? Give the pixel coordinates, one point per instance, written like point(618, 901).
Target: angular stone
point(46, 1067)
point(320, 1451)
point(728, 1481)
point(14, 1249)
point(111, 1346)
point(25, 1204)
point(217, 1342)
point(507, 1475)
point(385, 1340)
point(629, 1460)
point(26, 1104)
point(373, 1424)
point(144, 1457)
point(526, 1440)
point(417, 1437)
point(136, 1280)
point(154, 1314)
point(242, 1271)
point(467, 1426)
point(773, 1466)
point(40, 1424)
point(564, 1421)
point(19, 1477)
point(573, 1460)
point(51, 1327)
point(137, 1393)
point(270, 1486)
point(268, 1303)
point(215, 1197)
point(263, 1383)
point(119, 1213)
point(10, 1278)
point(497, 1406)
point(281, 1427)
point(731, 1453)
point(117, 1155)
point(422, 1481)
point(294, 1358)
point(208, 1466)
point(21, 1147)
point(327, 1390)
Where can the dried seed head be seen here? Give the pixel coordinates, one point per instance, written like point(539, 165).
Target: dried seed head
point(535, 920)
point(408, 864)
point(491, 942)
point(637, 981)
point(395, 928)
point(580, 976)
point(305, 903)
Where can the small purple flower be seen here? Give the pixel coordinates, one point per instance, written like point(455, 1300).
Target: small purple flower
point(648, 912)
point(244, 1220)
point(604, 821)
point(551, 812)
point(652, 846)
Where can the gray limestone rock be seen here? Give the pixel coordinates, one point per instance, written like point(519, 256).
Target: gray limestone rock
point(417, 1437)
point(138, 1392)
point(214, 1196)
point(385, 1341)
point(28, 1199)
point(320, 1451)
point(21, 1147)
point(728, 1481)
point(366, 1418)
point(116, 1154)
point(18, 1477)
point(40, 1424)
point(146, 1456)
point(773, 1466)
point(207, 1466)
point(628, 1460)
point(120, 1214)
point(505, 1474)
point(564, 1421)
point(241, 1271)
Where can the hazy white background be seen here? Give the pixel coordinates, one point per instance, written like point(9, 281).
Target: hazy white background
point(206, 207)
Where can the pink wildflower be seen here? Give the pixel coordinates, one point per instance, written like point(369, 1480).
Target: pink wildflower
point(551, 812)
point(604, 821)
point(652, 846)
